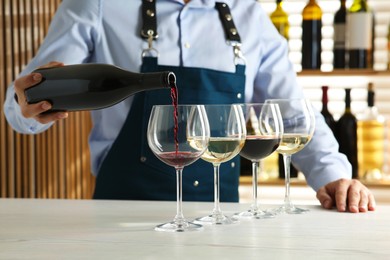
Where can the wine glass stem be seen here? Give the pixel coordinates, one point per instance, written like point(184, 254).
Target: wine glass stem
point(179, 218)
point(256, 166)
point(217, 209)
point(287, 162)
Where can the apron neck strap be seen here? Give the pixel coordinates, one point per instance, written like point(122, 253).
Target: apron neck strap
point(149, 21)
point(227, 22)
point(149, 28)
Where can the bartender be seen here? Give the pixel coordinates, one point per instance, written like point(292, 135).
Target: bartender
point(220, 52)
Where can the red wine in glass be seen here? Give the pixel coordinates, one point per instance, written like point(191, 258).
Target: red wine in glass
point(191, 140)
point(179, 159)
point(259, 147)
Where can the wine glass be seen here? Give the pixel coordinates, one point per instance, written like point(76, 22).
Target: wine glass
point(178, 136)
point(298, 124)
point(227, 137)
point(264, 132)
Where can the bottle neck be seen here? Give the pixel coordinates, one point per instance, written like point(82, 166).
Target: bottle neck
point(154, 80)
point(370, 98)
point(343, 4)
point(312, 11)
point(325, 99)
point(348, 100)
point(370, 94)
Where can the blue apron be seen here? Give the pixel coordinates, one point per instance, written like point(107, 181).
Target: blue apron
point(131, 170)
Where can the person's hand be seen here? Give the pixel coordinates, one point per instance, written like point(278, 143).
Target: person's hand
point(346, 195)
point(35, 110)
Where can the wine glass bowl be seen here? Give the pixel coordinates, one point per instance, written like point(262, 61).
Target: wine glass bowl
point(264, 133)
point(227, 137)
point(299, 124)
point(178, 136)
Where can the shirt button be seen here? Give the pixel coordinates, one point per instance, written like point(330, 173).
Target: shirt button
point(233, 164)
point(239, 95)
point(143, 159)
point(196, 183)
point(187, 45)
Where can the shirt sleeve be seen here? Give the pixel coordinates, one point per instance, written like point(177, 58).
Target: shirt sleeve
point(70, 39)
point(320, 161)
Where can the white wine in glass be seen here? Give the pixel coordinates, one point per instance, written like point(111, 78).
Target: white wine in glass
point(227, 137)
point(172, 133)
point(298, 129)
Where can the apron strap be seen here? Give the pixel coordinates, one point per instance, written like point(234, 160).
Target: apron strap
point(149, 27)
point(227, 22)
point(149, 18)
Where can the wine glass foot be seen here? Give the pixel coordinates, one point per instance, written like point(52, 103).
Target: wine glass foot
point(253, 214)
point(290, 209)
point(178, 227)
point(219, 219)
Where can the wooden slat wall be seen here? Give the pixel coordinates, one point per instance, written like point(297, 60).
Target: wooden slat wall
point(54, 164)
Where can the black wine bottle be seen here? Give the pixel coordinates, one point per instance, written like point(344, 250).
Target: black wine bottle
point(311, 36)
point(93, 86)
point(360, 28)
point(325, 111)
point(339, 25)
point(347, 134)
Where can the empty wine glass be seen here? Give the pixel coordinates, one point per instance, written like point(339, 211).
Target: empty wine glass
point(227, 137)
point(178, 137)
point(264, 132)
point(298, 124)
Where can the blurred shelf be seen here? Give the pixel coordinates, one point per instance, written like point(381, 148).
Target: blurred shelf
point(343, 73)
point(247, 180)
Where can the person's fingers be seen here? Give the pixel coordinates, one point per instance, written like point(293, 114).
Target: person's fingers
point(371, 202)
point(33, 110)
point(52, 64)
point(354, 197)
point(341, 195)
point(363, 201)
point(49, 117)
point(25, 82)
point(324, 198)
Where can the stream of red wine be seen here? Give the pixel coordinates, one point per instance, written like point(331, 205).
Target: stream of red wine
point(174, 96)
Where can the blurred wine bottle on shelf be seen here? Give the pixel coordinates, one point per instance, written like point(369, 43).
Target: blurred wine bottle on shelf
point(360, 35)
point(346, 133)
point(371, 138)
point(245, 167)
point(311, 35)
point(270, 167)
point(280, 19)
point(339, 37)
point(329, 119)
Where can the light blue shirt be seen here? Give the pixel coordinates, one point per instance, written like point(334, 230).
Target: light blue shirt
point(106, 31)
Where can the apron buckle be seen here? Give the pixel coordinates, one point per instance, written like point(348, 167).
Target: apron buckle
point(150, 50)
point(238, 55)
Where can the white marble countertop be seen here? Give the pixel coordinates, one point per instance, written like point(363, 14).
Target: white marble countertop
point(91, 229)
